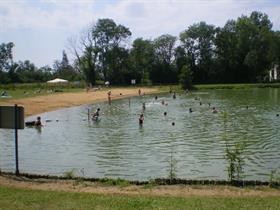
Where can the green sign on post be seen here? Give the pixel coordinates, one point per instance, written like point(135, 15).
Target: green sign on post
point(12, 117)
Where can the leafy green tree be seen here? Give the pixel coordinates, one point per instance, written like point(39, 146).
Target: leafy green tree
point(198, 41)
point(226, 43)
point(6, 56)
point(164, 70)
point(97, 46)
point(141, 60)
point(185, 78)
point(64, 70)
point(108, 36)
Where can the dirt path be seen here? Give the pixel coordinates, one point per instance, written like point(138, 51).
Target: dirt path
point(40, 104)
point(172, 190)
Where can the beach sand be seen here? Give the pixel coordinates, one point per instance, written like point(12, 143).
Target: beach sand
point(46, 103)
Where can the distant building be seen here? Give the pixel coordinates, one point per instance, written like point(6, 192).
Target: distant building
point(274, 73)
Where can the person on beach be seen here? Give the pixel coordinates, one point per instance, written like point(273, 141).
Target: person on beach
point(141, 119)
point(139, 92)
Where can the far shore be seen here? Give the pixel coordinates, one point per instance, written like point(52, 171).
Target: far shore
point(40, 104)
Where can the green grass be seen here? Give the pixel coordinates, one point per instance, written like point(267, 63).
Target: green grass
point(237, 86)
point(19, 93)
point(14, 198)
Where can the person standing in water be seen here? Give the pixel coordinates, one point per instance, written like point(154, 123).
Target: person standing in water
point(143, 106)
point(174, 95)
point(95, 114)
point(141, 119)
point(109, 97)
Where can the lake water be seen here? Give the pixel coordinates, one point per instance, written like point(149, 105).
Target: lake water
point(117, 146)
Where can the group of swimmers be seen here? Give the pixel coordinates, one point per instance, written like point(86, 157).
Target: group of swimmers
point(141, 117)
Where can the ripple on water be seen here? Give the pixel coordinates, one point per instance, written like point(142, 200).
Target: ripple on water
point(117, 146)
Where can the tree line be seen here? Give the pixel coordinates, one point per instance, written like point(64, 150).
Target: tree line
point(242, 51)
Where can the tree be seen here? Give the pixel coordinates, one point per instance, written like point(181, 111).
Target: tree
point(64, 69)
point(185, 77)
point(198, 41)
point(97, 45)
point(164, 55)
point(6, 56)
point(141, 60)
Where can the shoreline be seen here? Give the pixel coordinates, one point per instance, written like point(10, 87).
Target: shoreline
point(41, 104)
point(125, 188)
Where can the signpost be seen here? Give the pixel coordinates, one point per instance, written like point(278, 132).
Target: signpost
point(12, 117)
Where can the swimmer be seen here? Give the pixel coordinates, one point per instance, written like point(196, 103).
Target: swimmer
point(162, 102)
point(143, 106)
point(141, 119)
point(277, 115)
point(200, 103)
point(190, 110)
point(165, 113)
point(95, 115)
point(214, 110)
point(174, 95)
point(173, 123)
point(38, 122)
point(156, 97)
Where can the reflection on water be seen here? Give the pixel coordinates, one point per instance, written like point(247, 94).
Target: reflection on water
point(116, 146)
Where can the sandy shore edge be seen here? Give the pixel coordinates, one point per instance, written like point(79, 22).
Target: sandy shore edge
point(166, 190)
point(40, 104)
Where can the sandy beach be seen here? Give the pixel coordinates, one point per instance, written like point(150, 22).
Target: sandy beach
point(41, 104)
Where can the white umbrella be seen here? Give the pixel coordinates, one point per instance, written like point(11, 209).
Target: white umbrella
point(57, 80)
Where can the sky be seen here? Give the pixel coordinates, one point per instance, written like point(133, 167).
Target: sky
point(40, 29)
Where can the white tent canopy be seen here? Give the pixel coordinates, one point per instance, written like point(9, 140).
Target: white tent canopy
point(57, 80)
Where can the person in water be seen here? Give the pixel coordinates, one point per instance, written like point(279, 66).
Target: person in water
point(165, 113)
point(190, 110)
point(214, 110)
point(38, 121)
point(109, 97)
point(141, 119)
point(96, 114)
point(174, 95)
point(143, 106)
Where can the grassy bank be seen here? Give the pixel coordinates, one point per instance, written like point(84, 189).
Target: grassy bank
point(237, 86)
point(16, 198)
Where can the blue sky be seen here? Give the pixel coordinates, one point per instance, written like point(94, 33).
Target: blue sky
point(40, 28)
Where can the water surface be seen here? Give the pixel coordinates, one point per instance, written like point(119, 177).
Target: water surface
point(117, 146)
